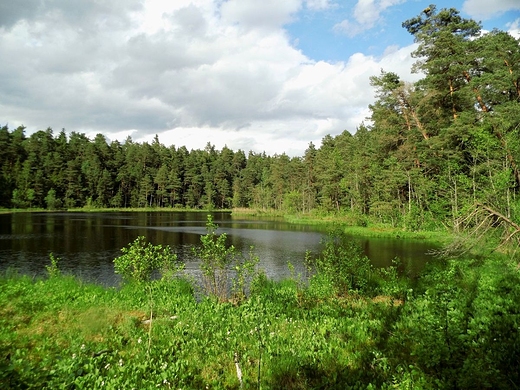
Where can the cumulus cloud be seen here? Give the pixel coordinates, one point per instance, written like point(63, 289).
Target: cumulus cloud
point(13, 11)
point(317, 5)
point(259, 14)
point(485, 9)
point(191, 71)
point(366, 14)
point(514, 28)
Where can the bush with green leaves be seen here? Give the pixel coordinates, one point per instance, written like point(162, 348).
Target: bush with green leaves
point(458, 328)
point(53, 270)
point(392, 282)
point(140, 259)
point(223, 267)
point(341, 267)
point(461, 329)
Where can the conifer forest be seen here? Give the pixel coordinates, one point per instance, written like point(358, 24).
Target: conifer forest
point(439, 156)
point(429, 152)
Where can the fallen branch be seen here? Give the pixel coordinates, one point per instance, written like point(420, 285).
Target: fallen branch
point(500, 216)
point(476, 225)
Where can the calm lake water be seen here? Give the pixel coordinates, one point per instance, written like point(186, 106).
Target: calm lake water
point(87, 243)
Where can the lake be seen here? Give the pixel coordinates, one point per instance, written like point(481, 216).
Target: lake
point(87, 243)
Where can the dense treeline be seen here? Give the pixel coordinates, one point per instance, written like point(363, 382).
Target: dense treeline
point(429, 150)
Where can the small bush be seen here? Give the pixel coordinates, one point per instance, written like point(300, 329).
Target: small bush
point(53, 270)
point(223, 268)
point(342, 263)
point(391, 283)
point(140, 259)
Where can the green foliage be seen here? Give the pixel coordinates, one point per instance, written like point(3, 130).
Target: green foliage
point(53, 270)
point(433, 149)
point(321, 287)
point(51, 201)
point(244, 273)
point(467, 325)
point(216, 258)
point(392, 283)
point(140, 259)
point(342, 266)
point(223, 268)
point(458, 328)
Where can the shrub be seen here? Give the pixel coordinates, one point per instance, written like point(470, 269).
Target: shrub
point(220, 262)
point(343, 264)
point(140, 259)
point(53, 270)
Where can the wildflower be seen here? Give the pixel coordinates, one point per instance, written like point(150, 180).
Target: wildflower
point(120, 362)
point(107, 366)
point(82, 347)
point(139, 341)
point(74, 356)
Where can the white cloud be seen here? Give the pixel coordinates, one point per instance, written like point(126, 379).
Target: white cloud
point(314, 100)
point(349, 28)
point(259, 14)
point(485, 9)
point(317, 5)
point(193, 72)
point(367, 13)
point(514, 28)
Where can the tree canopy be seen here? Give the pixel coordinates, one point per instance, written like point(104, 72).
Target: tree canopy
point(428, 151)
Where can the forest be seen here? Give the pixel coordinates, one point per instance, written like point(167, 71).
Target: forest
point(439, 153)
point(429, 152)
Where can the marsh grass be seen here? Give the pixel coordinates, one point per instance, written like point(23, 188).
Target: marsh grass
point(82, 335)
point(456, 328)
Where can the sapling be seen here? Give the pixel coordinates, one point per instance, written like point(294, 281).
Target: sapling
point(219, 261)
point(53, 270)
point(140, 259)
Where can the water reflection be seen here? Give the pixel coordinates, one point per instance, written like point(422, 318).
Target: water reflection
point(87, 243)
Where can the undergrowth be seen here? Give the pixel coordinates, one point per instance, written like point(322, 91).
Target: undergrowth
point(347, 326)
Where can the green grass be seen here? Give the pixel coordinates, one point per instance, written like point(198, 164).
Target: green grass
point(352, 224)
point(60, 332)
point(389, 232)
point(458, 327)
point(257, 212)
point(10, 211)
point(375, 230)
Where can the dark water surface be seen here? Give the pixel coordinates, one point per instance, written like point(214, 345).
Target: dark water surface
point(87, 243)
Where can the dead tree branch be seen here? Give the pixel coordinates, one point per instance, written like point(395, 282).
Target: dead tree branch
point(482, 221)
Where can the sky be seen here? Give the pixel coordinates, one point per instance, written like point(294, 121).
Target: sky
point(257, 75)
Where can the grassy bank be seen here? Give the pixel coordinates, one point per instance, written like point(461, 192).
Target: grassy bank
point(458, 327)
point(351, 225)
point(10, 211)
